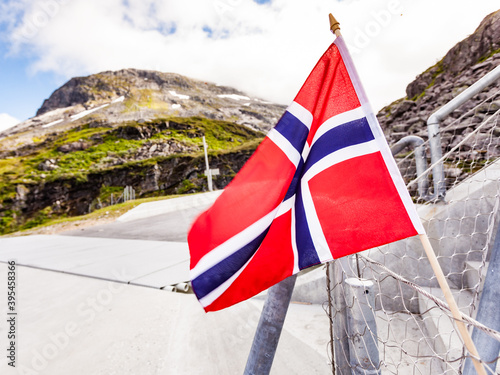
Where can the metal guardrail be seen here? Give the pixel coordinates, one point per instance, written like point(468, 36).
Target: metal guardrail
point(434, 131)
point(434, 135)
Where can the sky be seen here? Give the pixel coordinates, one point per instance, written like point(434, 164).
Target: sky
point(265, 48)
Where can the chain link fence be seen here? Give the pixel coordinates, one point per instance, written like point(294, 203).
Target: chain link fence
point(413, 331)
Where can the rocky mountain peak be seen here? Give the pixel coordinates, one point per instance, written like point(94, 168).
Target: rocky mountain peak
point(484, 41)
point(103, 87)
point(463, 65)
point(477, 48)
point(114, 97)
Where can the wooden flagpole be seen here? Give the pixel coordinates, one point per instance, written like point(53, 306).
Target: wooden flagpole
point(457, 315)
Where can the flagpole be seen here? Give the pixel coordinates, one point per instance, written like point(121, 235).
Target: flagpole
point(457, 315)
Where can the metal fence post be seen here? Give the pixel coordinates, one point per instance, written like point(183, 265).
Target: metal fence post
point(269, 328)
point(362, 327)
point(340, 270)
point(488, 348)
point(341, 339)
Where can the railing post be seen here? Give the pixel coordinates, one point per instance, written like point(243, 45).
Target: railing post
point(420, 160)
point(362, 327)
point(436, 154)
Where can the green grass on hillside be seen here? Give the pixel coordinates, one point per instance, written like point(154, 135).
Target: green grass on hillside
point(110, 147)
point(106, 144)
point(487, 56)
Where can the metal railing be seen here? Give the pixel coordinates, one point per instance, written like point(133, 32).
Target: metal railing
point(434, 139)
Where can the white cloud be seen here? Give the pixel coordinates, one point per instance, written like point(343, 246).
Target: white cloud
point(265, 50)
point(7, 121)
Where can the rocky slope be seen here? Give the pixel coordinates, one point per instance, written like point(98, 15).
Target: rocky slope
point(97, 134)
point(461, 67)
point(465, 149)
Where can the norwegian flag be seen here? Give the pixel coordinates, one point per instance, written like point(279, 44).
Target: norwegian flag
point(323, 184)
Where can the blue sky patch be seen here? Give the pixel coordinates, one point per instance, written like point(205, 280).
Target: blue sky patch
point(167, 28)
point(216, 34)
point(208, 31)
point(22, 93)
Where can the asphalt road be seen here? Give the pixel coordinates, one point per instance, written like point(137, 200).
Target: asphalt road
point(171, 226)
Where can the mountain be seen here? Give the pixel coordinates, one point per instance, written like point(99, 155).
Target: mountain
point(142, 95)
point(95, 135)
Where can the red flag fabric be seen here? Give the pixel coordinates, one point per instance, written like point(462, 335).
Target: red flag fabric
point(323, 184)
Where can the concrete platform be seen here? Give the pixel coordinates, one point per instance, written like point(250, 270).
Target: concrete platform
point(154, 264)
point(69, 324)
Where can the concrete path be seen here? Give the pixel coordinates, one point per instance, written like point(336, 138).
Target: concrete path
point(172, 226)
point(146, 210)
point(167, 220)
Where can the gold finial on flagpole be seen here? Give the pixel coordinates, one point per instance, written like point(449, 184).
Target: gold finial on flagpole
point(334, 25)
